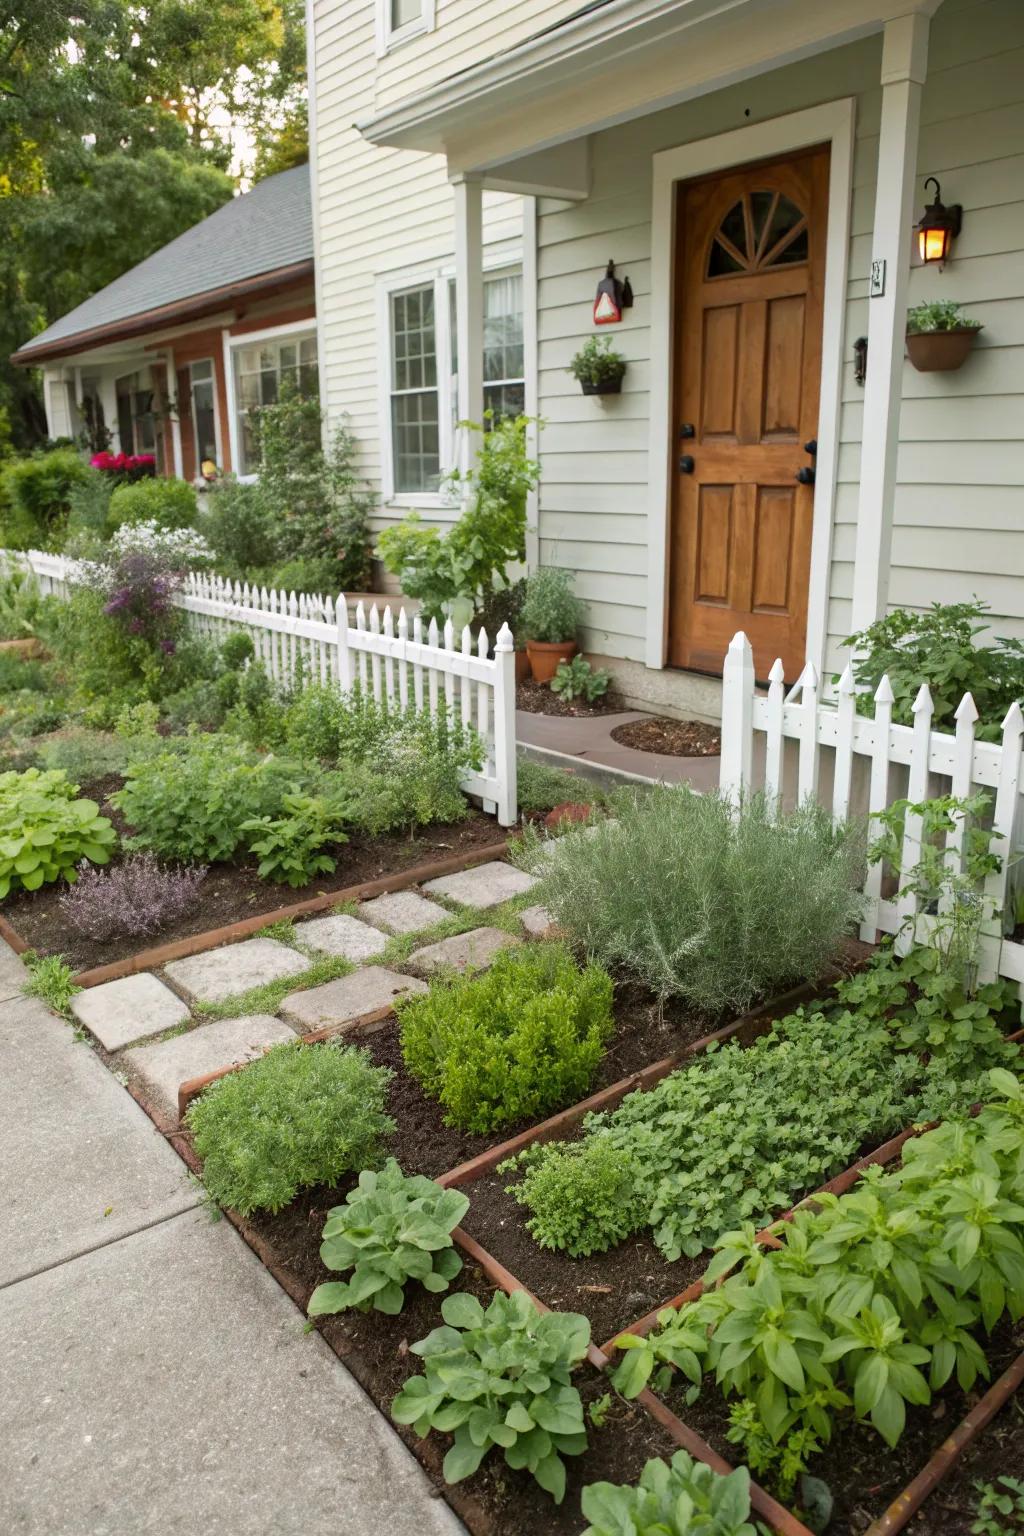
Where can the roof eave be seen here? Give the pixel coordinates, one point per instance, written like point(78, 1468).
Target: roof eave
point(193, 308)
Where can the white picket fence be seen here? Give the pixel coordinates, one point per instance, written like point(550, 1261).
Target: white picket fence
point(390, 659)
point(792, 744)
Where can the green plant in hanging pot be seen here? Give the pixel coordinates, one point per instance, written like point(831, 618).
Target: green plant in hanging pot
point(551, 616)
point(939, 336)
point(598, 367)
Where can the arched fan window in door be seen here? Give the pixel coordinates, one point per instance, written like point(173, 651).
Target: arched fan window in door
point(764, 229)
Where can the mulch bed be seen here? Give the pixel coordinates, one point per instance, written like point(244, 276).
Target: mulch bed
point(675, 738)
point(538, 699)
point(863, 1474)
point(231, 892)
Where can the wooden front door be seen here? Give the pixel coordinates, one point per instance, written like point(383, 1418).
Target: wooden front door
point(750, 254)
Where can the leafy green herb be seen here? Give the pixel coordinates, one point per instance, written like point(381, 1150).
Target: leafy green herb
point(46, 832)
point(1000, 1508)
point(391, 1229)
point(501, 1378)
point(678, 1498)
point(290, 846)
point(581, 1194)
point(577, 679)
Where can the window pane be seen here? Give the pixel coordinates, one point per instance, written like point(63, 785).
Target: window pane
point(405, 11)
point(413, 342)
point(287, 355)
point(202, 370)
point(307, 350)
point(416, 442)
point(504, 400)
point(503, 328)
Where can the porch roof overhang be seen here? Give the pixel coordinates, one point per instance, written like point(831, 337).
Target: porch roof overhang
point(608, 63)
point(163, 317)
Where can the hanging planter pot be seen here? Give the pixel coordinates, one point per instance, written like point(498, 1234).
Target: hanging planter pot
point(598, 368)
point(941, 351)
point(611, 386)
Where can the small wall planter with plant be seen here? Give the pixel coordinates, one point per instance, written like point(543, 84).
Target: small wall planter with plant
point(598, 367)
point(551, 616)
point(939, 336)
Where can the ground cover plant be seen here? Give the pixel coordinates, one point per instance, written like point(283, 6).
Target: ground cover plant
point(541, 787)
point(1000, 1508)
point(871, 1303)
point(740, 1132)
point(512, 1044)
point(301, 1115)
point(678, 1498)
point(696, 903)
point(46, 831)
point(138, 896)
point(393, 1228)
point(501, 1378)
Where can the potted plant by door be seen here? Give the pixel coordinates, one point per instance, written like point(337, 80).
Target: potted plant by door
point(939, 336)
point(551, 615)
point(598, 367)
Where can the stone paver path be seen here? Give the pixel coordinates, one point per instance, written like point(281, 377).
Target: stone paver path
point(342, 935)
point(162, 1068)
point(403, 912)
point(486, 885)
point(475, 950)
point(537, 922)
point(349, 1000)
point(119, 1012)
point(218, 974)
point(156, 1380)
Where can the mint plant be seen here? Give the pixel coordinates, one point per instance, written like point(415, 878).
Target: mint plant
point(501, 1378)
point(392, 1229)
point(581, 1194)
point(678, 1498)
point(45, 832)
point(870, 1303)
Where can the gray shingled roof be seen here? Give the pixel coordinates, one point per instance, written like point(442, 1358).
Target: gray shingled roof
point(267, 228)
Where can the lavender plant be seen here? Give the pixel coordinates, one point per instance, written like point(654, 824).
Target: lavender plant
point(137, 897)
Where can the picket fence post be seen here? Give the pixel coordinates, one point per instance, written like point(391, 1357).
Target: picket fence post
point(737, 719)
point(505, 726)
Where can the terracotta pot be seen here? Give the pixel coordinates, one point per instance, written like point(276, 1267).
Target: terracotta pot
point(546, 654)
point(940, 351)
point(522, 667)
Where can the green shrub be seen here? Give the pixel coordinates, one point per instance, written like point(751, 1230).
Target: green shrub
point(541, 788)
point(392, 1229)
point(45, 832)
point(168, 503)
point(939, 647)
point(301, 1115)
point(83, 755)
point(22, 674)
point(88, 507)
point(551, 611)
point(35, 498)
point(740, 1133)
point(290, 846)
point(239, 526)
point(513, 1044)
point(19, 603)
point(501, 1378)
point(678, 1498)
point(303, 574)
point(581, 1194)
point(697, 903)
point(191, 800)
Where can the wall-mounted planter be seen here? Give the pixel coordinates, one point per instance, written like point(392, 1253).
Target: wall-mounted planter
point(602, 386)
point(940, 351)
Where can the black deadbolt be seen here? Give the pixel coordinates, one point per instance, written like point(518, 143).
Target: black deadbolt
point(687, 430)
point(805, 475)
point(686, 463)
point(811, 447)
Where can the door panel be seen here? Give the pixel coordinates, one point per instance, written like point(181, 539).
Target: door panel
point(750, 256)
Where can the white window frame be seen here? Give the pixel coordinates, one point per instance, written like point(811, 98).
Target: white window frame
point(499, 263)
point(231, 343)
point(218, 441)
point(389, 37)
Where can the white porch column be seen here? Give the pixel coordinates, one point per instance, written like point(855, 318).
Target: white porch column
point(108, 400)
point(904, 66)
point(469, 303)
point(172, 399)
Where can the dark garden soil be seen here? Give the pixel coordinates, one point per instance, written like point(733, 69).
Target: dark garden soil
point(863, 1474)
point(675, 738)
point(538, 699)
point(997, 1452)
point(232, 892)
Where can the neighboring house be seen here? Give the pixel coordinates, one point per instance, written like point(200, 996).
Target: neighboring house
point(748, 164)
point(168, 358)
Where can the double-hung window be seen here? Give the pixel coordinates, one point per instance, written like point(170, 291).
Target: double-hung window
point(260, 369)
point(423, 394)
point(204, 411)
point(400, 20)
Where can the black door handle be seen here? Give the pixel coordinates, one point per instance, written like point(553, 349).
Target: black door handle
point(687, 430)
point(686, 463)
point(811, 447)
point(805, 475)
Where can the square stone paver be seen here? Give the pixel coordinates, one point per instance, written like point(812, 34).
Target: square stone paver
point(118, 1012)
point(488, 885)
point(538, 922)
point(348, 1001)
point(165, 1066)
point(402, 912)
point(343, 935)
point(234, 969)
point(463, 952)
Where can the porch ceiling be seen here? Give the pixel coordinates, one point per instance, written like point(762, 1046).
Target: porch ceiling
point(611, 63)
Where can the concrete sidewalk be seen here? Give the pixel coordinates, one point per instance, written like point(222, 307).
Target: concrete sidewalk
point(155, 1376)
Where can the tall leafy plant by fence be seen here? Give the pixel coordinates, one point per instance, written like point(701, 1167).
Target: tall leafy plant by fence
point(391, 660)
point(793, 744)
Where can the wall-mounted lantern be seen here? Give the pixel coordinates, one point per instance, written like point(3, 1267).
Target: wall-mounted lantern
point(938, 227)
point(612, 298)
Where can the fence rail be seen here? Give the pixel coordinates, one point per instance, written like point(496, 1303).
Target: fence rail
point(298, 635)
point(794, 745)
